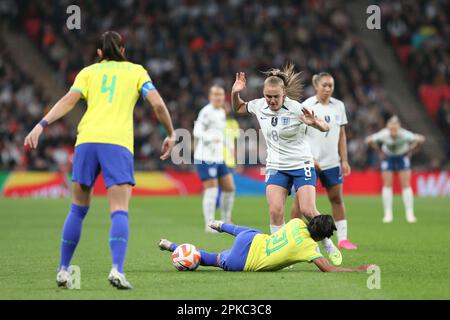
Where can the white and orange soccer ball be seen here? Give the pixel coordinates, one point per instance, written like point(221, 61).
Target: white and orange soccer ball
point(186, 257)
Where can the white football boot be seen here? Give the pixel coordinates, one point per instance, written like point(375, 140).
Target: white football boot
point(63, 279)
point(216, 225)
point(164, 244)
point(118, 280)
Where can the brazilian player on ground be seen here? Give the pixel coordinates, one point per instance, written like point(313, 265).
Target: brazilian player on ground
point(290, 163)
point(104, 143)
point(254, 251)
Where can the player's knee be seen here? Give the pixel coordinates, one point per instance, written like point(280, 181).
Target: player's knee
point(276, 212)
point(336, 199)
point(81, 195)
point(229, 188)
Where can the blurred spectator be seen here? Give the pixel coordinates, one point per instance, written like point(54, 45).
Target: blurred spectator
point(189, 44)
point(21, 107)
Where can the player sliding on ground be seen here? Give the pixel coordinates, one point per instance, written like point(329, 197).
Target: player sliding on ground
point(254, 251)
point(111, 88)
point(290, 163)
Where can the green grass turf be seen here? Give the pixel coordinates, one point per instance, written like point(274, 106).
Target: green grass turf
point(414, 259)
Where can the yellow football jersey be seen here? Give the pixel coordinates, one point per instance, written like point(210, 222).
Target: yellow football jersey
point(111, 89)
point(231, 134)
point(289, 245)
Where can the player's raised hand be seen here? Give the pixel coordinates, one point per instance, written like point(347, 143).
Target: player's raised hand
point(308, 117)
point(32, 139)
point(167, 147)
point(240, 82)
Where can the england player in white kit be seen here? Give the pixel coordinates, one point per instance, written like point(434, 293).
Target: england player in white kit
point(397, 146)
point(330, 151)
point(209, 134)
point(284, 122)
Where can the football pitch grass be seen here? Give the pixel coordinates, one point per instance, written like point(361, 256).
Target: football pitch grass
point(414, 259)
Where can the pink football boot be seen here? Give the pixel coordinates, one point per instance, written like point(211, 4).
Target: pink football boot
point(345, 244)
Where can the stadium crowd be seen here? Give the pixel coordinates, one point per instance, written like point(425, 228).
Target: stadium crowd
point(189, 45)
point(419, 33)
point(21, 106)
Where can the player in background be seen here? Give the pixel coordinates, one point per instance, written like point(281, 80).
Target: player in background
point(209, 134)
point(254, 251)
point(104, 143)
point(283, 121)
point(330, 151)
point(229, 151)
point(397, 147)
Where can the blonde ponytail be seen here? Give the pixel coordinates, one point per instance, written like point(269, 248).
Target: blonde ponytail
point(288, 79)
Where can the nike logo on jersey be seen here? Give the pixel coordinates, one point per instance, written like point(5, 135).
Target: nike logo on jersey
point(262, 118)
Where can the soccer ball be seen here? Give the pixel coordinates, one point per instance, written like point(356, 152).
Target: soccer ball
point(186, 257)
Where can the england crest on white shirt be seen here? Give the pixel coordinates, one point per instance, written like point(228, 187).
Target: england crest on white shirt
point(284, 121)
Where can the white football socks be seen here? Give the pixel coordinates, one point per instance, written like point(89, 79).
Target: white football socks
point(408, 201)
point(227, 202)
point(328, 245)
point(341, 227)
point(274, 228)
point(209, 204)
point(387, 203)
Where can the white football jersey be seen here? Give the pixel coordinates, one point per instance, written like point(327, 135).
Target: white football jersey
point(325, 145)
point(284, 132)
point(394, 147)
point(209, 134)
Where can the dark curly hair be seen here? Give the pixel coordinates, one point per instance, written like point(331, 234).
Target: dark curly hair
point(321, 226)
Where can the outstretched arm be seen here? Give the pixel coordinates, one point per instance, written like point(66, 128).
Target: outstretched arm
point(239, 84)
point(60, 109)
point(162, 113)
point(310, 119)
point(325, 266)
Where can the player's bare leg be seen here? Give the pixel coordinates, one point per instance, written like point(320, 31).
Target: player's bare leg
point(407, 195)
point(336, 198)
point(276, 197)
point(307, 204)
point(81, 199)
point(210, 192)
point(226, 183)
point(387, 195)
point(118, 198)
point(295, 210)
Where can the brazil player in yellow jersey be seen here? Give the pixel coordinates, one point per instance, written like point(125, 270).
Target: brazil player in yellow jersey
point(254, 251)
point(104, 144)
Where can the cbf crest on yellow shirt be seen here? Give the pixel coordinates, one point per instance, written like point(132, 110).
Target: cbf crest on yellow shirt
point(111, 90)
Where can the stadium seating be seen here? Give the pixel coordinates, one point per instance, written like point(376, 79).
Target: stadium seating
point(186, 49)
point(419, 33)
